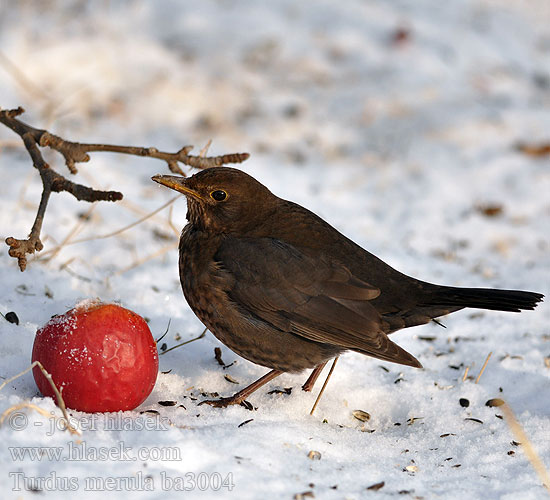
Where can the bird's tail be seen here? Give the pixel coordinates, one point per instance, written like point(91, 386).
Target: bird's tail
point(485, 298)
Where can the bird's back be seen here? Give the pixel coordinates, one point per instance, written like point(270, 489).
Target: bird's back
point(403, 301)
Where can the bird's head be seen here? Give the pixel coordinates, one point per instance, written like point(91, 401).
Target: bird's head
point(222, 199)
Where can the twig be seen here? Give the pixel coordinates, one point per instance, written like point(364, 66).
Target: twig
point(324, 385)
point(218, 356)
point(528, 448)
point(483, 367)
point(74, 152)
point(186, 342)
point(165, 332)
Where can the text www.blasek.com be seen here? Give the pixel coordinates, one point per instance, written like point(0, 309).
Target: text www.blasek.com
point(82, 452)
point(189, 481)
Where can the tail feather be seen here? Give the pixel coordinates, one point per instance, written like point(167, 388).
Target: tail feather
point(485, 298)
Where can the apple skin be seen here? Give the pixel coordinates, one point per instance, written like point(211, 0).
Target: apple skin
point(102, 356)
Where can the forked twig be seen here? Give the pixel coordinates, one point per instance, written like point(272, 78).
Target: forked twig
point(73, 153)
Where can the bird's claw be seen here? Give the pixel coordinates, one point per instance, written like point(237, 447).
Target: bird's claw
point(307, 387)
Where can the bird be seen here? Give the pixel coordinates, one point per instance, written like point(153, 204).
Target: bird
point(284, 289)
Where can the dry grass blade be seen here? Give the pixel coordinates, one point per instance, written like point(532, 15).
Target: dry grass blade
point(521, 437)
point(484, 366)
point(542, 149)
point(57, 393)
point(324, 385)
point(114, 233)
point(147, 258)
point(20, 406)
point(9, 144)
point(170, 223)
point(186, 342)
point(203, 152)
point(465, 376)
point(50, 255)
point(24, 82)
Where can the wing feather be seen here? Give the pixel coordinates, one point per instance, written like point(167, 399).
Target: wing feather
point(316, 298)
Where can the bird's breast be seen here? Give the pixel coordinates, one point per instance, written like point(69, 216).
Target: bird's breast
point(196, 254)
point(206, 285)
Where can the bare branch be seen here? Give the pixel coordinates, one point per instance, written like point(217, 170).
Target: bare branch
point(73, 153)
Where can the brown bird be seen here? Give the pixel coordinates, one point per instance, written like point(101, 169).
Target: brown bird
point(284, 289)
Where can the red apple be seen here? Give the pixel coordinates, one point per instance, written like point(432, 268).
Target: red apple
point(102, 356)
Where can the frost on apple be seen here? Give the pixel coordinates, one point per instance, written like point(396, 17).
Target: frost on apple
point(102, 355)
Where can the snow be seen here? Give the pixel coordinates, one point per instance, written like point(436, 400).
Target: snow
point(398, 141)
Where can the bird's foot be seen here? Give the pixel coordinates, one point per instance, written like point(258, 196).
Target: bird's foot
point(310, 382)
point(308, 386)
point(239, 397)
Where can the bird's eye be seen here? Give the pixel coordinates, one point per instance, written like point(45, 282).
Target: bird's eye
point(218, 195)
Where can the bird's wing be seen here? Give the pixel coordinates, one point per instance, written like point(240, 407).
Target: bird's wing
point(316, 298)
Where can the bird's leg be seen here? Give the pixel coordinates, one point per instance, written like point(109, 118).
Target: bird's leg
point(310, 382)
point(240, 396)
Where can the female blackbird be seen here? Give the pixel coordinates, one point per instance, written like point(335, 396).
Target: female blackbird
point(284, 289)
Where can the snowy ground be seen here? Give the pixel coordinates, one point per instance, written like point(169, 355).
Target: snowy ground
point(395, 121)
